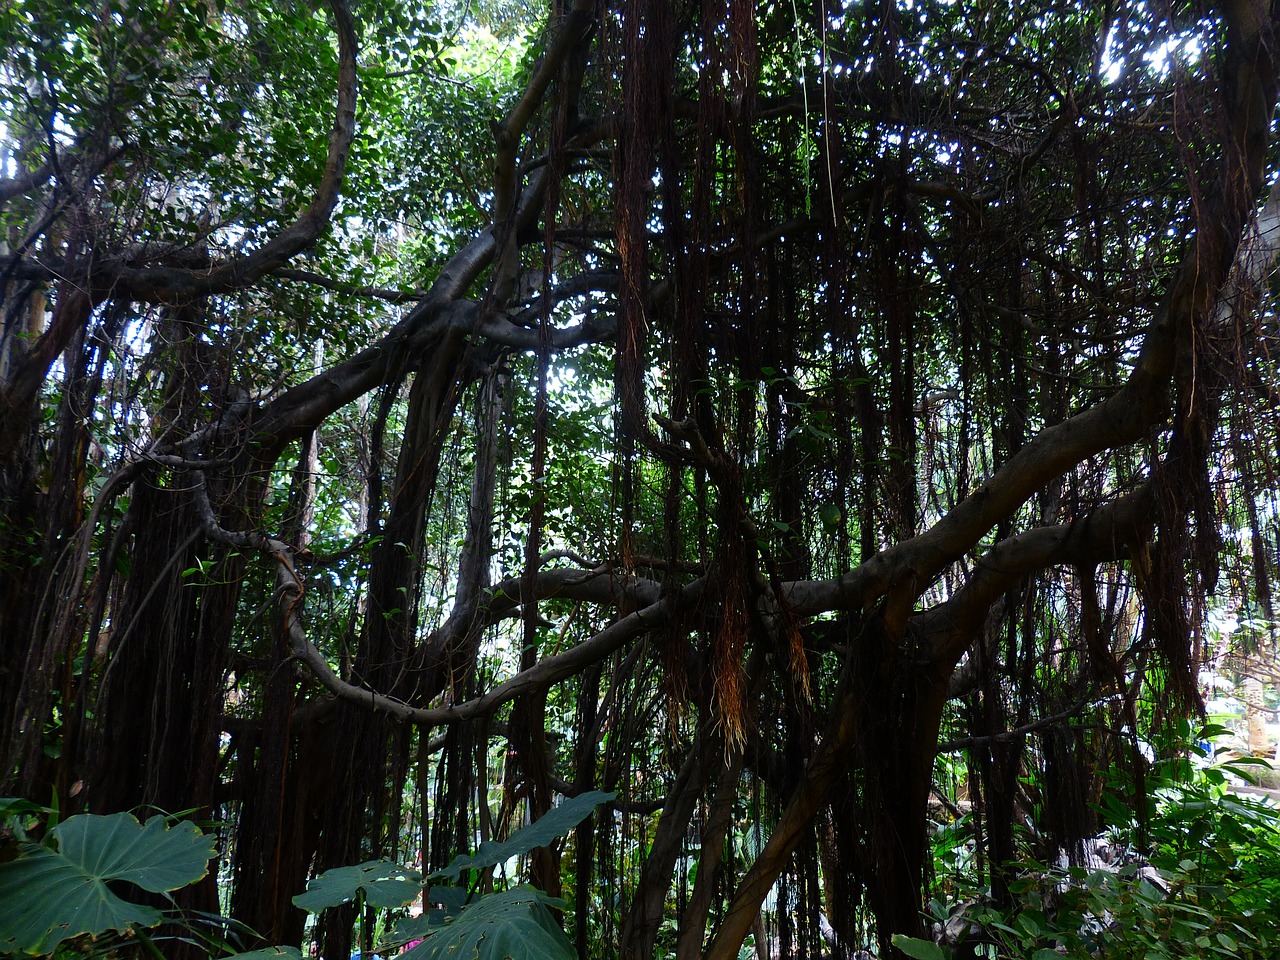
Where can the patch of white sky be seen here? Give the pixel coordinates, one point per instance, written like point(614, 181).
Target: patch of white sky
point(8, 164)
point(1185, 47)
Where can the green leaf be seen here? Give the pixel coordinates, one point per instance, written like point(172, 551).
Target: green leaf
point(1249, 762)
point(1030, 924)
point(829, 514)
point(48, 895)
point(1212, 731)
point(555, 823)
point(450, 900)
point(13, 806)
point(919, 949)
point(385, 884)
point(268, 953)
point(512, 925)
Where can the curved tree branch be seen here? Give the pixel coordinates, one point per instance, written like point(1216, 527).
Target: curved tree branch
point(1126, 416)
point(158, 284)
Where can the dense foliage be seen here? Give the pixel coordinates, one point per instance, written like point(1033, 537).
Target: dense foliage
point(828, 427)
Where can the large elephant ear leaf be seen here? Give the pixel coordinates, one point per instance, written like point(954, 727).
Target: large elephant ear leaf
point(49, 894)
point(385, 885)
point(513, 925)
point(551, 826)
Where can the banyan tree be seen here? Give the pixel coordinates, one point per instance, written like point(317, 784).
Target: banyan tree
point(413, 414)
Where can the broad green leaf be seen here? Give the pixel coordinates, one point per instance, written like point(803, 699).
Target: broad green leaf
point(552, 825)
point(1030, 923)
point(512, 925)
point(452, 899)
point(829, 514)
point(385, 884)
point(1212, 731)
point(268, 953)
point(12, 806)
point(406, 929)
point(48, 895)
point(441, 903)
point(919, 949)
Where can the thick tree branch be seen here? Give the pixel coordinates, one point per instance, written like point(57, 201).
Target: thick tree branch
point(547, 671)
point(327, 283)
point(1105, 534)
point(1143, 402)
point(29, 180)
point(289, 596)
point(299, 409)
point(572, 27)
point(966, 743)
point(157, 284)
